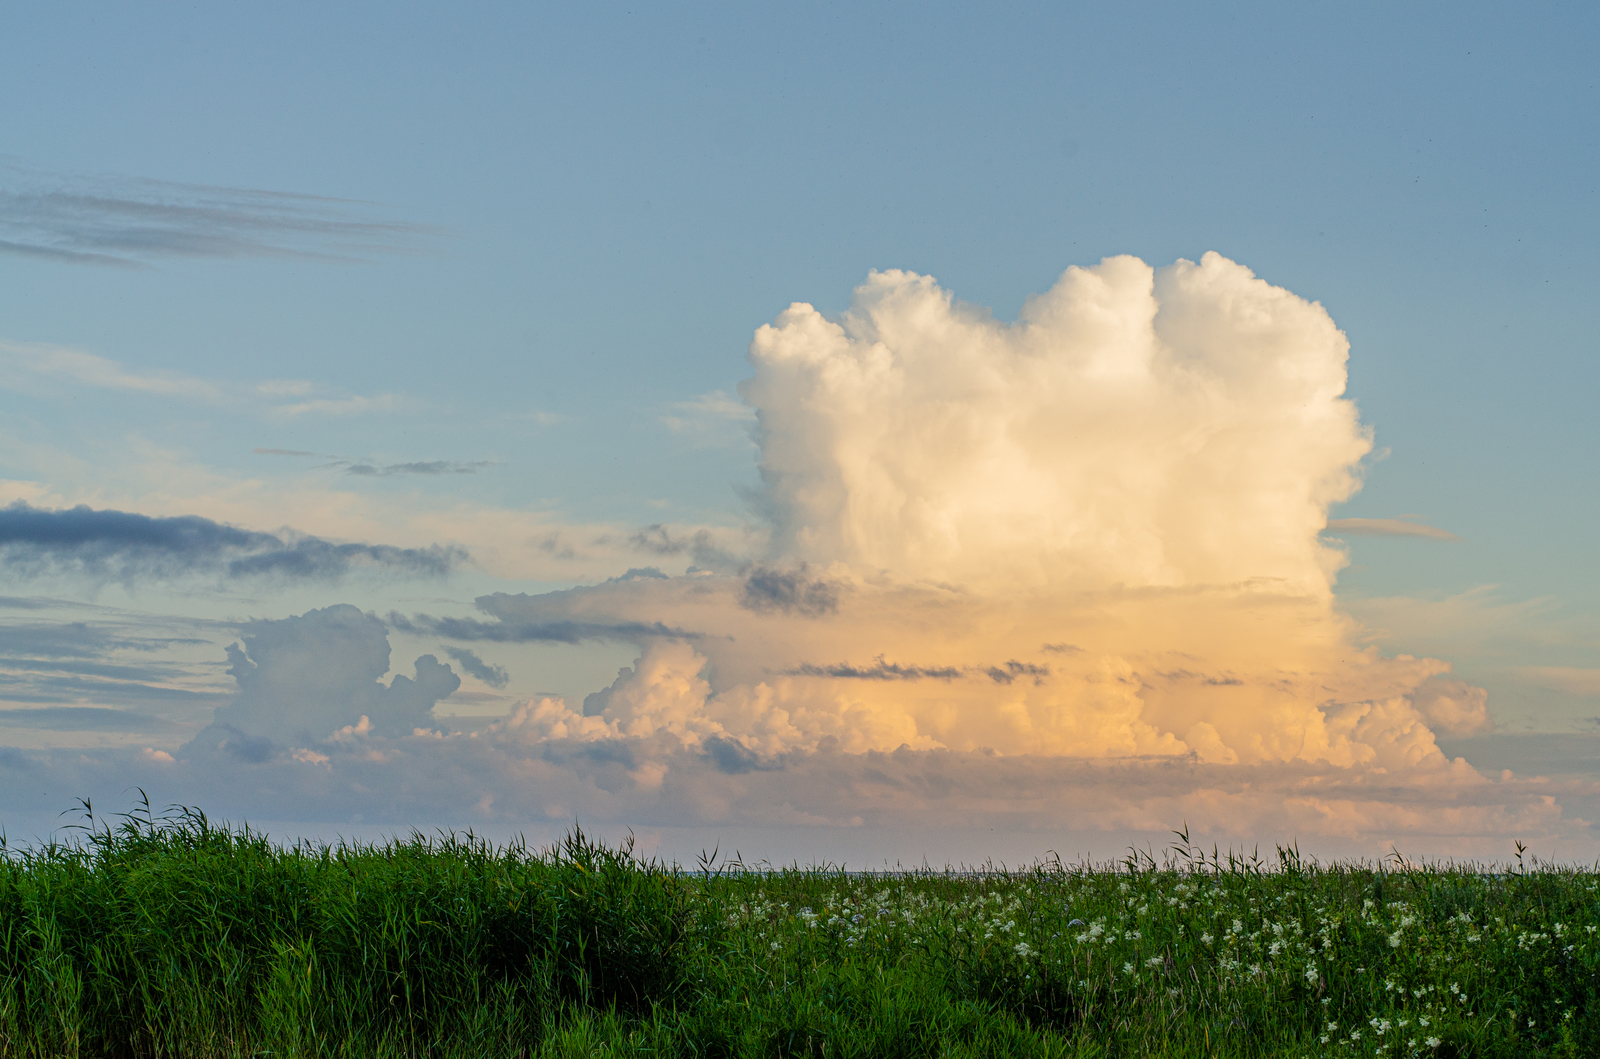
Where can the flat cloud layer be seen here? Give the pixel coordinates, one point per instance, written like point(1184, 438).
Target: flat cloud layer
point(1069, 566)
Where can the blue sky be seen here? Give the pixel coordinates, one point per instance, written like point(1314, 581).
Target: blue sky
point(509, 260)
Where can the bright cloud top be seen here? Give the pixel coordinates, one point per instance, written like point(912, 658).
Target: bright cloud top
point(1135, 427)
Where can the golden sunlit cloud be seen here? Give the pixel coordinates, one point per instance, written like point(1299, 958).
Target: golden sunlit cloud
point(1092, 532)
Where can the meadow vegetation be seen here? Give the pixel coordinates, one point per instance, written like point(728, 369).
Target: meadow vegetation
point(172, 936)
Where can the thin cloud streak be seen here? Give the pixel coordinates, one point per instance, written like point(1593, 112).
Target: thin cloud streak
point(44, 361)
point(375, 469)
point(127, 222)
point(1388, 527)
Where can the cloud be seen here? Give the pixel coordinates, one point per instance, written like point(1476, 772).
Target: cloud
point(514, 631)
point(88, 369)
point(126, 222)
point(1121, 494)
point(374, 469)
point(879, 670)
point(1388, 527)
point(429, 467)
point(124, 546)
point(315, 733)
point(703, 547)
point(304, 680)
point(91, 370)
point(713, 418)
point(492, 675)
point(788, 591)
point(345, 406)
point(82, 719)
point(1135, 474)
point(79, 639)
point(1569, 679)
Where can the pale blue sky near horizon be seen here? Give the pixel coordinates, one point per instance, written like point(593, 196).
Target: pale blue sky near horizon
point(557, 227)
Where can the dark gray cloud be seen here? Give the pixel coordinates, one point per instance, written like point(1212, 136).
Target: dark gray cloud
point(374, 469)
point(126, 222)
point(83, 719)
point(788, 591)
point(124, 546)
point(885, 670)
point(699, 546)
point(492, 675)
point(559, 631)
point(638, 573)
point(1014, 669)
point(879, 670)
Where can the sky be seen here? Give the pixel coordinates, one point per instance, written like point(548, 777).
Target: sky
point(840, 433)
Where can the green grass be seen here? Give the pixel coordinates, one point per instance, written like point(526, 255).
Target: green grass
point(176, 937)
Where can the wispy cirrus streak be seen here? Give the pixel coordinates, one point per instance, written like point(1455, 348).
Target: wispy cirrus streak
point(126, 222)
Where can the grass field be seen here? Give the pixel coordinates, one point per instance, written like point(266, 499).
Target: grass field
point(177, 937)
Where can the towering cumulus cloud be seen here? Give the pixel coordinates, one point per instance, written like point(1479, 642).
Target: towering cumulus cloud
point(1093, 532)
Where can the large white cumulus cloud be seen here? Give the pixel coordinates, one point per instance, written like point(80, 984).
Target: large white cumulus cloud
point(1133, 428)
point(1091, 532)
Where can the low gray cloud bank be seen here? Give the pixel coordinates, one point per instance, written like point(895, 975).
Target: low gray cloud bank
point(318, 730)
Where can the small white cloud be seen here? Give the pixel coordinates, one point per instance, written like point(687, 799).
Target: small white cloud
point(345, 406)
point(284, 388)
point(103, 373)
point(709, 413)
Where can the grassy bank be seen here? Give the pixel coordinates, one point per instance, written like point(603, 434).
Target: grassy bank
point(176, 937)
